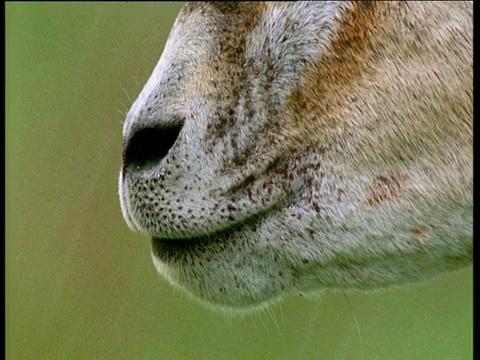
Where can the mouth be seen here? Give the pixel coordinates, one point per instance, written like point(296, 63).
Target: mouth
point(210, 270)
point(172, 250)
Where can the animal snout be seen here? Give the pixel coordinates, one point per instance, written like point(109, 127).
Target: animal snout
point(147, 147)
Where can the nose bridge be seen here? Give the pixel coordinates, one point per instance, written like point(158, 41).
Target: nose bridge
point(175, 78)
point(154, 121)
point(163, 85)
point(146, 112)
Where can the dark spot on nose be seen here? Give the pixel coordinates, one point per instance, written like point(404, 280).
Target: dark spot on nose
point(148, 146)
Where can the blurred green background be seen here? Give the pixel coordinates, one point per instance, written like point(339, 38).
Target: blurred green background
point(80, 285)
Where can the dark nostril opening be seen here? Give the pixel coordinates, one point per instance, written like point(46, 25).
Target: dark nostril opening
point(149, 146)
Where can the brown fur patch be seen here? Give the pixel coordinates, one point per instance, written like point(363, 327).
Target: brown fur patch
point(384, 188)
point(350, 55)
point(419, 230)
point(245, 9)
point(326, 89)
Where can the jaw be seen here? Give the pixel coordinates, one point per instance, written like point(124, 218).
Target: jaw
point(256, 264)
point(225, 269)
point(253, 265)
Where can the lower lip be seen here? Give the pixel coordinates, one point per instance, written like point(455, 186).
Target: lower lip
point(166, 249)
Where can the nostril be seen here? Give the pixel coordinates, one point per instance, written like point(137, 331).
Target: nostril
point(149, 146)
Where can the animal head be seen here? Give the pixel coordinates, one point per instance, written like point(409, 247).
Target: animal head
point(295, 146)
